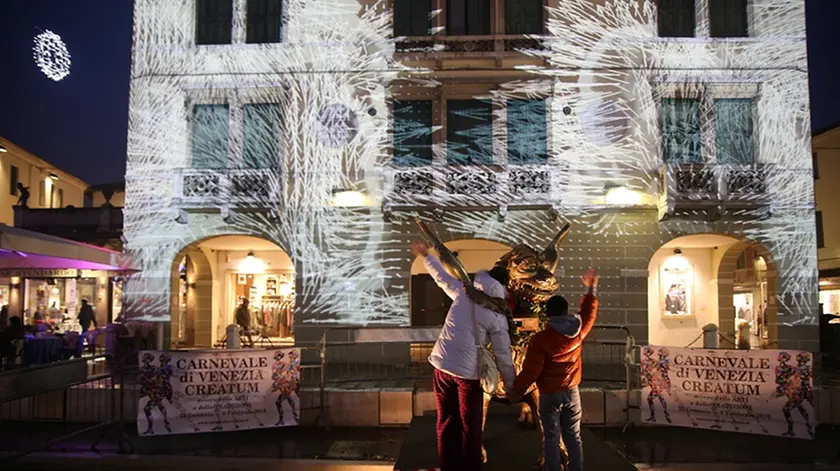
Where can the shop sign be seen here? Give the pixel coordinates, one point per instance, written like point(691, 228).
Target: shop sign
point(768, 392)
point(40, 273)
point(218, 391)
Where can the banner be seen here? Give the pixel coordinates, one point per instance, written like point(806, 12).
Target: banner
point(766, 392)
point(218, 390)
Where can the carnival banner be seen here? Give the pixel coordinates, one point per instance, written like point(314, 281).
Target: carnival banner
point(218, 391)
point(766, 392)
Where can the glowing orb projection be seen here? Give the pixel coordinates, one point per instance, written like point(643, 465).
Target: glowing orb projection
point(337, 125)
point(51, 55)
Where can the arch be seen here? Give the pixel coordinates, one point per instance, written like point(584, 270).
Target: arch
point(475, 254)
point(202, 303)
point(704, 277)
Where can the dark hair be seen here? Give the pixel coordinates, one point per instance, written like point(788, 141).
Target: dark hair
point(14, 320)
point(557, 306)
point(499, 274)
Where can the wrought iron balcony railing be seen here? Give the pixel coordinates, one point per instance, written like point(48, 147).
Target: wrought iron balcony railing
point(213, 187)
point(466, 45)
point(696, 186)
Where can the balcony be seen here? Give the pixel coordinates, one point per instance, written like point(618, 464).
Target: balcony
point(98, 226)
point(224, 187)
point(443, 47)
point(472, 186)
point(711, 187)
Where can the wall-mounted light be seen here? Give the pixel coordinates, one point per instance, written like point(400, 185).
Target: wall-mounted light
point(622, 196)
point(251, 265)
point(53, 176)
point(15, 280)
point(3, 149)
point(344, 197)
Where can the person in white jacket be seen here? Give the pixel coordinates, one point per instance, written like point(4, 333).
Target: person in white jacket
point(458, 394)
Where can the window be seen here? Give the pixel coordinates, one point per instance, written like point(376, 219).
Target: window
point(814, 163)
point(13, 180)
point(728, 18)
point(469, 132)
point(261, 147)
point(526, 130)
point(734, 131)
point(265, 21)
point(412, 133)
point(523, 16)
point(680, 122)
point(210, 136)
point(412, 18)
point(214, 21)
point(820, 234)
point(676, 18)
point(42, 193)
point(58, 198)
point(467, 17)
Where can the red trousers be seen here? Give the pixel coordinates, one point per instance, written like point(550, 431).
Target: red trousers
point(460, 405)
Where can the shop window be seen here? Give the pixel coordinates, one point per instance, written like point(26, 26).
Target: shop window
point(13, 180)
point(214, 21)
point(820, 233)
point(675, 18)
point(680, 124)
point(734, 131)
point(728, 18)
point(815, 165)
point(526, 130)
point(261, 147)
point(523, 16)
point(412, 18)
point(469, 132)
point(412, 132)
point(210, 136)
point(467, 17)
point(265, 21)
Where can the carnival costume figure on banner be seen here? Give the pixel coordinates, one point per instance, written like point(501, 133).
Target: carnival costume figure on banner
point(285, 380)
point(655, 375)
point(531, 281)
point(795, 386)
point(154, 384)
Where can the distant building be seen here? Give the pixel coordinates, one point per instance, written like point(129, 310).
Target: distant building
point(826, 156)
point(99, 195)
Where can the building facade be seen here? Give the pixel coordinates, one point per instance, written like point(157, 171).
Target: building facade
point(279, 151)
point(826, 158)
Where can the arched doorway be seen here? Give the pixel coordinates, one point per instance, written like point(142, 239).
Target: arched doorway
point(429, 304)
point(211, 277)
point(703, 279)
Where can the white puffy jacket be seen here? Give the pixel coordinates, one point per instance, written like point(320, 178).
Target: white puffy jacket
point(455, 352)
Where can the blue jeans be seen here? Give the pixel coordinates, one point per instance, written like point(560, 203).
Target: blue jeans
point(560, 413)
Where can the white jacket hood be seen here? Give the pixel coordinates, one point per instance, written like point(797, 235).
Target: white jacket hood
point(489, 286)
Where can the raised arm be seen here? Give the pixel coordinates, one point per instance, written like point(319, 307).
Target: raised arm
point(589, 303)
point(448, 283)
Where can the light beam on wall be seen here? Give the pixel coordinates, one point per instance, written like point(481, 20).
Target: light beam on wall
point(622, 196)
point(348, 198)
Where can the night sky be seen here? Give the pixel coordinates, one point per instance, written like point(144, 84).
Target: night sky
point(79, 124)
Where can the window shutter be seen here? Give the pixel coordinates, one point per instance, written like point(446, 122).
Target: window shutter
point(469, 132)
point(42, 193)
point(526, 129)
point(261, 144)
point(820, 233)
point(524, 16)
point(728, 18)
point(680, 125)
point(734, 131)
point(478, 17)
point(13, 180)
point(675, 18)
point(412, 132)
point(456, 17)
point(265, 21)
point(214, 21)
point(210, 136)
point(412, 18)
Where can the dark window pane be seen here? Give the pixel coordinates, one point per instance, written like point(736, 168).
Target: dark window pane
point(728, 18)
point(265, 21)
point(210, 136)
point(412, 18)
point(676, 18)
point(734, 131)
point(412, 133)
point(469, 132)
point(816, 165)
point(467, 17)
point(680, 123)
point(524, 16)
point(526, 130)
point(820, 234)
point(214, 20)
point(13, 180)
point(261, 145)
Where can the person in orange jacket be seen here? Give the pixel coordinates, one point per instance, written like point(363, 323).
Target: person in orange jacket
point(553, 361)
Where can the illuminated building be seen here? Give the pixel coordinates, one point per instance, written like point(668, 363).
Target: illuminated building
point(311, 133)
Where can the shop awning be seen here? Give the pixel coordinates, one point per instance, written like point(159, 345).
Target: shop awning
point(31, 254)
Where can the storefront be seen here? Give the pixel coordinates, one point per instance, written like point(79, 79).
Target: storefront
point(47, 277)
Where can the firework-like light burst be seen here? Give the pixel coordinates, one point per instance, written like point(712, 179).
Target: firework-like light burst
point(309, 116)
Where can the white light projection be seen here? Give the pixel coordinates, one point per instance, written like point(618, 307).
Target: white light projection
point(608, 86)
point(51, 55)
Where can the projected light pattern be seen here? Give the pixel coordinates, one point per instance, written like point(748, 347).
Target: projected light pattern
point(51, 55)
point(270, 132)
